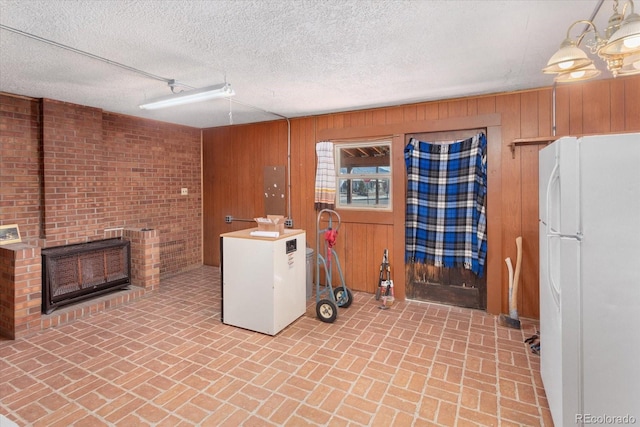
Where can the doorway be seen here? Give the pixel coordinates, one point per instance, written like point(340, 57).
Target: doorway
point(455, 286)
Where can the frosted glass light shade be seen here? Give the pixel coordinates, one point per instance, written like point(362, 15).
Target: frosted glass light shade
point(585, 73)
point(568, 57)
point(630, 65)
point(626, 40)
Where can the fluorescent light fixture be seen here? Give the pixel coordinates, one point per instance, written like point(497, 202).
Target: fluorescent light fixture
point(223, 90)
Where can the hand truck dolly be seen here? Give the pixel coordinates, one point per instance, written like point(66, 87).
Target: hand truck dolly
point(329, 298)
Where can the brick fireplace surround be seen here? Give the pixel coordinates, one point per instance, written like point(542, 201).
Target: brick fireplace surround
point(75, 174)
point(21, 292)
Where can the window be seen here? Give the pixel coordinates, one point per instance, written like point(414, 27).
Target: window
point(364, 175)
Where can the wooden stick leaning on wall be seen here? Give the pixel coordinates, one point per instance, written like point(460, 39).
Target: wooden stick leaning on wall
point(512, 320)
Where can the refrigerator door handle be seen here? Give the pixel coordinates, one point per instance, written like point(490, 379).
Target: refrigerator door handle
point(552, 179)
point(553, 287)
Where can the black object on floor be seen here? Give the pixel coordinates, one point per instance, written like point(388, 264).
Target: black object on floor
point(534, 343)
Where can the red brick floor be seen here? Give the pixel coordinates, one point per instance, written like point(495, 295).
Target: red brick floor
point(167, 360)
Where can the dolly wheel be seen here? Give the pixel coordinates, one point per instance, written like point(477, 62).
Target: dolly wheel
point(326, 311)
point(344, 297)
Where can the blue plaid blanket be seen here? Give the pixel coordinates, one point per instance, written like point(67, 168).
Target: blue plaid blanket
point(446, 203)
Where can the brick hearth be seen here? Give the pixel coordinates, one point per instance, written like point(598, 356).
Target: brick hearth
point(21, 284)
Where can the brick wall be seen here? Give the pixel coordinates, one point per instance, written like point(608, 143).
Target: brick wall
point(70, 172)
point(20, 177)
point(75, 174)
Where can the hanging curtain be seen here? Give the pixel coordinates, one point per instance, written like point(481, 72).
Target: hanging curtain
point(325, 176)
point(446, 203)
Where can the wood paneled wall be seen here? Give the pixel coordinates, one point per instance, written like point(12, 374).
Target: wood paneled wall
point(234, 157)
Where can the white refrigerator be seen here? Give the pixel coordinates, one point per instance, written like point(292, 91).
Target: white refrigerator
point(590, 279)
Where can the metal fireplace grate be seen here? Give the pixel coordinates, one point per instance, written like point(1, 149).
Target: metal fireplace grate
point(76, 272)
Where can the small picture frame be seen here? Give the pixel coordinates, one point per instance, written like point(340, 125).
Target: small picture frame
point(9, 233)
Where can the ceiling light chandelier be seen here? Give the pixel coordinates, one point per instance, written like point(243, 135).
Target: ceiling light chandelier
point(620, 48)
point(223, 90)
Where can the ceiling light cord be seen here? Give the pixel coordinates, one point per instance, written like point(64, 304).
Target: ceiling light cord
point(595, 12)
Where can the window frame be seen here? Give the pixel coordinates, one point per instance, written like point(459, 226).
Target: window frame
point(388, 176)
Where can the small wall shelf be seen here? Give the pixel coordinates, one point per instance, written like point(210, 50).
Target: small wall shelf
point(539, 140)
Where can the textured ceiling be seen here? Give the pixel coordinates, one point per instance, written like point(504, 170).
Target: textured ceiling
point(293, 58)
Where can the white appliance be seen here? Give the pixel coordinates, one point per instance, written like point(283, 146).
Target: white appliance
point(263, 280)
point(590, 279)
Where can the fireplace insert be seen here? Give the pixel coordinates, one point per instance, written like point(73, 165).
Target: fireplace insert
point(76, 272)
